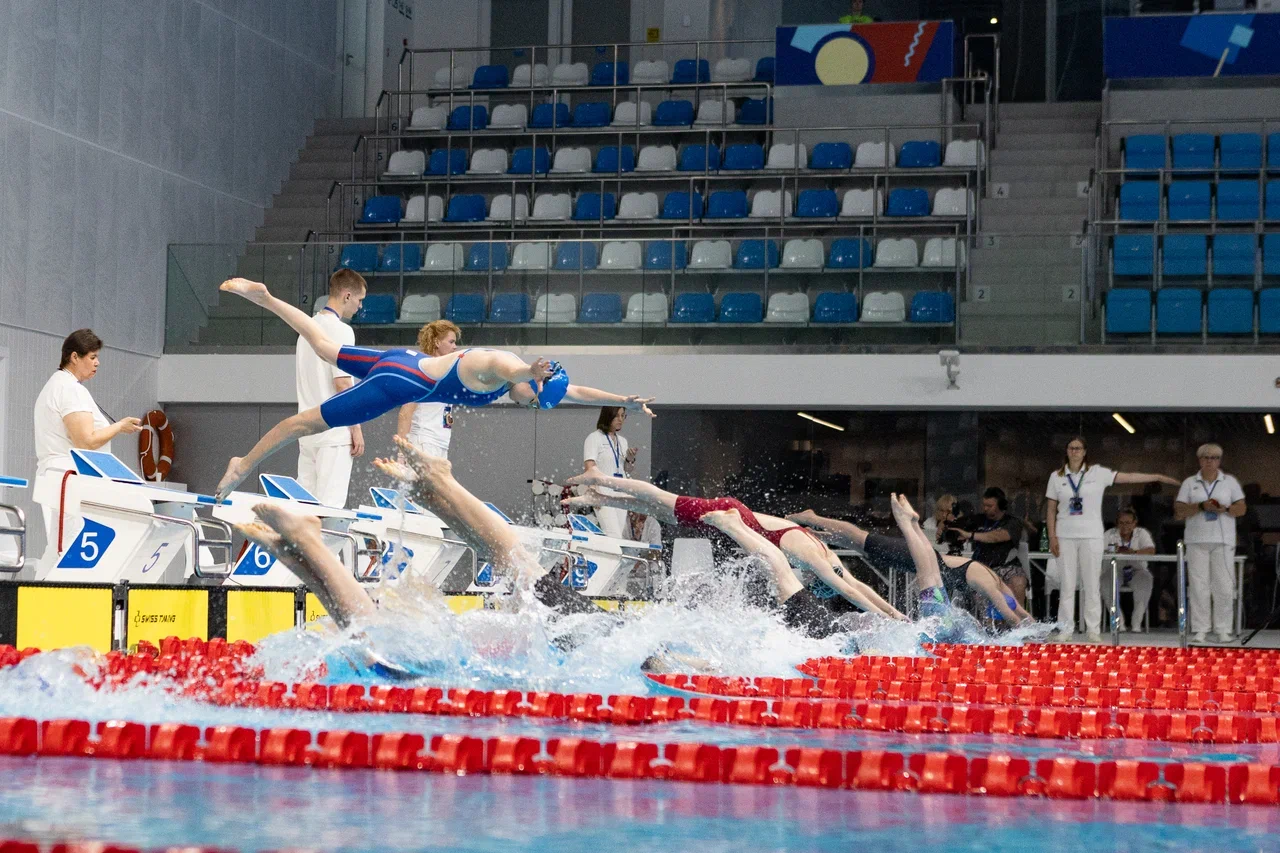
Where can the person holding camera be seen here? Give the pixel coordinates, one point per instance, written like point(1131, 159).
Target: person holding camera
point(995, 535)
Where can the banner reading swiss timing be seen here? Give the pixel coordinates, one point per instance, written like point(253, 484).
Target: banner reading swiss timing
point(845, 55)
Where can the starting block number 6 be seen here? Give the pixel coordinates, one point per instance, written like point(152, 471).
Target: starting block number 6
point(254, 561)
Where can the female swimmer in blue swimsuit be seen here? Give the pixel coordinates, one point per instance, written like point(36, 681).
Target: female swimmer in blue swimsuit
point(390, 378)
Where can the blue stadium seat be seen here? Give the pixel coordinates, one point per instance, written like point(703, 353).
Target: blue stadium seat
point(748, 157)
point(680, 205)
point(764, 70)
point(835, 307)
point(591, 115)
point(1238, 201)
point(691, 71)
point(486, 256)
point(1140, 201)
point(1178, 311)
point(673, 114)
point(760, 111)
point(451, 161)
point(660, 254)
point(1144, 152)
point(1230, 311)
point(756, 254)
point(1233, 254)
point(831, 155)
point(361, 257)
point(549, 116)
point(381, 209)
point(590, 206)
point(1273, 152)
point(468, 118)
point(465, 208)
point(575, 256)
point(727, 204)
point(1129, 311)
point(509, 308)
point(491, 77)
point(1185, 254)
point(908, 202)
point(1240, 152)
point(1134, 254)
point(1273, 200)
point(693, 308)
point(698, 158)
point(931, 306)
point(526, 161)
point(1188, 200)
point(1193, 151)
point(1269, 310)
point(465, 308)
point(920, 154)
point(611, 158)
point(850, 253)
point(401, 257)
point(821, 204)
point(601, 308)
point(603, 74)
point(377, 309)
point(1271, 254)
point(741, 307)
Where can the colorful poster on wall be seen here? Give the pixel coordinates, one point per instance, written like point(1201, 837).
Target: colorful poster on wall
point(1212, 45)
point(849, 55)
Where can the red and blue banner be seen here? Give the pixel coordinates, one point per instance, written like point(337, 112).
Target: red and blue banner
point(1225, 45)
point(847, 55)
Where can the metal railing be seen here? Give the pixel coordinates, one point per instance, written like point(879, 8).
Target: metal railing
point(195, 526)
point(18, 531)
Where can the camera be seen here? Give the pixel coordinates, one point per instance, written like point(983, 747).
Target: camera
point(950, 360)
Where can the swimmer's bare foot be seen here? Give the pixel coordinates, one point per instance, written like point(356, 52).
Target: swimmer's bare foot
point(429, 471)
point(395, 469)
point(722, 519)
point(806, 517)
point(902, 509)
point(255, 291)
point(593, 477)
point(300, 532)
point(230, 479)
point(589, 499)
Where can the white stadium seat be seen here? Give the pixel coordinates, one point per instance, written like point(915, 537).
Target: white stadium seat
point(620, 256)
point(626, 114)
point(881, 307)
point(552, 206)
point(874, 155)
point(570, 74)
point(901, 252)
point(513, 116)
point(953, 202)
point(645, 73)
point(429, 118)
point(731, 71)
point(555, 308)
point(420, 308)
point(942, 252)
point(656, 158)
point(407, 163)
point(784, 155)
point(716, 112)
point(802, 255)
point(572, 160)
point(788, 308)
point(501, 208)
point(433, 209)
point(461, 77)
point(488, 161)
point(963, 152)
point(638, 206)
point(862, 203)
point(646, 308)
point(524, 76)
point(711, 255)
point(531, 256)
point(443, 257)
point(768, 204)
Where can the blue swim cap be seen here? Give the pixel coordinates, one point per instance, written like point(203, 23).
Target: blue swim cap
point(993, 613)
point(553, 388)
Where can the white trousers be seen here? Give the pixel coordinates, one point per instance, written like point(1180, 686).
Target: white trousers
point(1211, 573)
point(1142, 584)
point(1080, 560)
point(439, 451)
point(325, 472)
point(613, 522)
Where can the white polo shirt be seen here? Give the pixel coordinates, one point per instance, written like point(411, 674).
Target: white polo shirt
point(62, 395)
point(608, 452)
point(1140, 539)
point(315, 377)
point(1090, 484)
point(432, 425)
point(1201, 527)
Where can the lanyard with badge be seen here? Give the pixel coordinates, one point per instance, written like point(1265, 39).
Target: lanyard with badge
point(617, 455)
point(1208, 496)
point(1075, 506)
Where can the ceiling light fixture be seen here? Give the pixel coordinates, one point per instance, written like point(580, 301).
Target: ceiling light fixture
point(828, 424)
point(1120, 420)
point(1271, 425)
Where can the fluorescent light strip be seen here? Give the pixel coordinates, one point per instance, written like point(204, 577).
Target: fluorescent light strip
point(809, 417)
point(1120, 420)
point(1271, 425)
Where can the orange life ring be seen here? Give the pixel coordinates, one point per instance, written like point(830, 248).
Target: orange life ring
point(155, 446)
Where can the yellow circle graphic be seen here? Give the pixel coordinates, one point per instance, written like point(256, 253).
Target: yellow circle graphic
point(842, 62)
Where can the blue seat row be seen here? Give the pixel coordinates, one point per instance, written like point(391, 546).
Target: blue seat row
point(670, 113)
point(1185, 310)
point(685, 72)
point(1229, 201)
point(1233, 152)
point(1188, 254)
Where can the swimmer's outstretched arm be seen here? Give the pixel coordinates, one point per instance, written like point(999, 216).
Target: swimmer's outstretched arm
point(595, 397)
point(922, 553)
point(844, 529)
point(257, 293)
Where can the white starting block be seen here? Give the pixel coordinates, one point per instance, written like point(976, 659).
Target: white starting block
point(256, 567)
point(608, 561)
point(416, 541)
point(133, 530)
point(13, 526)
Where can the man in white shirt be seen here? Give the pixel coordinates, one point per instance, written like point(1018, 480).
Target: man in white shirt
point(324, 460)
point(1210, 502)
point(1128, 538)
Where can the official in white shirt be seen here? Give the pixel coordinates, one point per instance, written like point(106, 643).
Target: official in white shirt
point(325, 459)
point(66, 416)
point(1073, 513)
point(429, 426)
point(1210, 502)
point(606, 448)
point(1128, 538)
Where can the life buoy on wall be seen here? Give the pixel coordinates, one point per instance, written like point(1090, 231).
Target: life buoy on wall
point(155, 446)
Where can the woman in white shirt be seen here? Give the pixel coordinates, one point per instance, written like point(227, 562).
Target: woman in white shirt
point(66, 417)
point(606, 448)
point(1073, 512)
point(429, 426)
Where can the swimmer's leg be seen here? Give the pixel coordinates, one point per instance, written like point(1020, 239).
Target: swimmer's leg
point(257, 293)
point(844, 529)
point(656, 502)
point(593, 497)
point(801, 548)
point(730, 523)
point(296, 541)
point(922, 552)
point(290, 429)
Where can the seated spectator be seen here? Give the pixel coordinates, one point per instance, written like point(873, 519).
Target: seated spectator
point(1128, 538)
point(995, 535)
point(935, 527)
